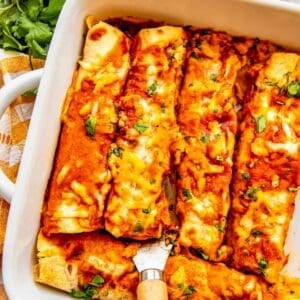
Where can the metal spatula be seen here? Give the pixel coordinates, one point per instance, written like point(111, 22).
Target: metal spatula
point(150, 261)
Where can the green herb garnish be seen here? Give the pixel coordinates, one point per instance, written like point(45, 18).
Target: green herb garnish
point(255, 232)
point(213, 77)
point(146, 210)
point(90, 125)
point(181, 286)
point(117, 151)
point(28, 25)
point(246, 175)
point(293, 89)
point(220, 227)
point(263, 263)
point(90, 291)
point(204, 138)
point(140, 128)
point(138, 227)
point(202, 254)
point(187, 194)
point(29, 93)
point(97, 281)
point(251, 193)
point(78, 294)
point(261, 124)
point(152, 89)
point(189, 290)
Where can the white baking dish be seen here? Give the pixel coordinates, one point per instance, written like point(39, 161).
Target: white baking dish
point(274, 20)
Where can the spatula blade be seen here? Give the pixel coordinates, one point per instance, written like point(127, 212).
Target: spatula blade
point(152, 256)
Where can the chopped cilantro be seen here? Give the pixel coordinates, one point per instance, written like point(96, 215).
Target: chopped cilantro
point(28, 25)
point(152, 89)
point(263, 263)
point(204, 138)
point(146, 210)
point(213, 77)
point(90, 125)
point(202, 254)
point(140, 128)
point(251, 193)
point(78, 294)
point(220, 227)
point(31, 92)
point(181, 286)
point(187, 194)
point(97, 281)
point(294, 89)
point(261, 124)
point(189, 290)
point(246, 175)
point(90, 291)
point(255, 232)
point(117, 151)
point(138, 227)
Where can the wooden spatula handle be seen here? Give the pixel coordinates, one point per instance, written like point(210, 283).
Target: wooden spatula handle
point(152, 289)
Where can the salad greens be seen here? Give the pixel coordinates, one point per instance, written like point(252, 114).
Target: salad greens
point(28, 25)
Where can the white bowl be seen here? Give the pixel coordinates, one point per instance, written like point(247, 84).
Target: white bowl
point(273, 20)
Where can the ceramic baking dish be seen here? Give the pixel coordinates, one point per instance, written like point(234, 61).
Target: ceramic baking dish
point(273, 20)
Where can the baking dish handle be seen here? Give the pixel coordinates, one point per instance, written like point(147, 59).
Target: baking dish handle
point(8, 93)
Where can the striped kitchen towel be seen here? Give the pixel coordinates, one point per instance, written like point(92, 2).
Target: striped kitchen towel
point(14, 123)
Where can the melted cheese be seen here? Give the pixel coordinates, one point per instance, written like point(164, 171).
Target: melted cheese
point(77, 194)
point(138, 207)
point(269, 153)
point(70, 262)
point(197, 279)
point(208, 124)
